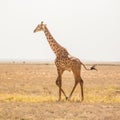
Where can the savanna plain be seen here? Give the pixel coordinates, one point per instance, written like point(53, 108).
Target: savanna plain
point(29, 92)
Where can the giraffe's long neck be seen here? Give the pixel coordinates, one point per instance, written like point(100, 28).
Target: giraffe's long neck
point(55, 46)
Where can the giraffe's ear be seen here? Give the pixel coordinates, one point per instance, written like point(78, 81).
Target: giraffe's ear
point(42, 22)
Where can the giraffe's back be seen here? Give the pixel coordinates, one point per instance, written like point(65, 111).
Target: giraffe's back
point(67, 62)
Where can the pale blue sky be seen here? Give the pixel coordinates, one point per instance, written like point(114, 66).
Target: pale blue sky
point(89, 29)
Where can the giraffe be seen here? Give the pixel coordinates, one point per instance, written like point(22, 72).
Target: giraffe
point(64, 61)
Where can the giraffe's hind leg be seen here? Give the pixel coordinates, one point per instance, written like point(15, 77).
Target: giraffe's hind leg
point(76, 82)
point(81, 85)
point(77, 77)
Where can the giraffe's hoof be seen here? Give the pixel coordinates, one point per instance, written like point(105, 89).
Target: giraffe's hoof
point(67, 98)
point(82, 99)
point(59, 100)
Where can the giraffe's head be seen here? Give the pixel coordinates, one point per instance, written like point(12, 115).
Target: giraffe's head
point(40, 27)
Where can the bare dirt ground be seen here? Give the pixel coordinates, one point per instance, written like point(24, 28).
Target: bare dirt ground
point(28, 92)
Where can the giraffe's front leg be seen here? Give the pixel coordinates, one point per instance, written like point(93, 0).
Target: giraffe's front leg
point(59, 80)
point(59, 90)
point(59, 84)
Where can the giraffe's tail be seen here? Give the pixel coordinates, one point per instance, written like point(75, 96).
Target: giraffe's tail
point(91, 68)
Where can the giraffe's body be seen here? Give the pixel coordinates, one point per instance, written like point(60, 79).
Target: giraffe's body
point(64, 61)
point(67, 62)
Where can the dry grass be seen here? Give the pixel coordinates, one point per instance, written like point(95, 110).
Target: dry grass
point(28, 92)
point(107, 95)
